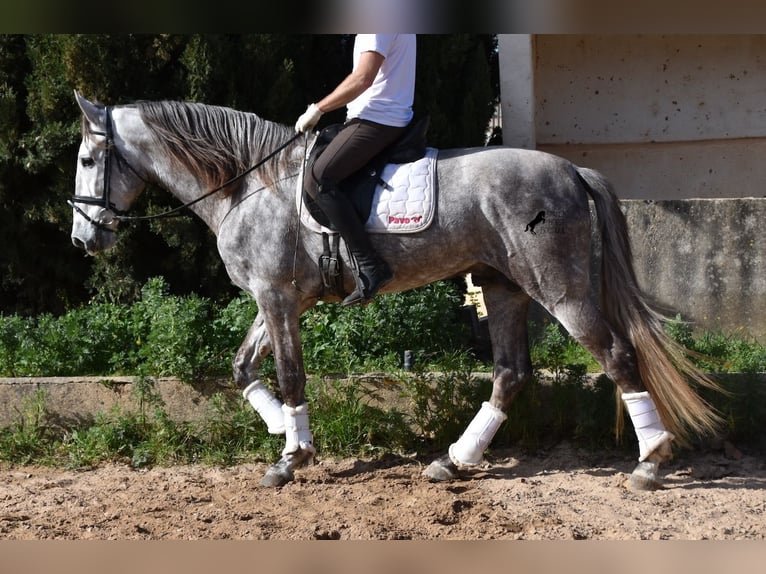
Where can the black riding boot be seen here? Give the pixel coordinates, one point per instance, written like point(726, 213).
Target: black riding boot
point(372, 272)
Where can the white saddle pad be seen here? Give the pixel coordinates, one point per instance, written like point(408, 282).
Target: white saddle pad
point(405, 204)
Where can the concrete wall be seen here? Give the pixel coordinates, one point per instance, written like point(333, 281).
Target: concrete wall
point(79, 399)
point(704, 258)
point(665, 118)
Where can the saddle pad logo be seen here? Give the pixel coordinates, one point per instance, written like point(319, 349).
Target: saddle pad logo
point(405, 204)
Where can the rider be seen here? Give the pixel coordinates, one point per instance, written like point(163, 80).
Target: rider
point(378, 95)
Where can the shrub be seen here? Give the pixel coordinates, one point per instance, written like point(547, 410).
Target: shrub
point(190, 337)
point(349, 418)
point(442, 404)
point(374, 337)
point(719, 352)
point(30, 438)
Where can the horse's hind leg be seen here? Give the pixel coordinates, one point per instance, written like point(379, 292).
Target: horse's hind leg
point(507, 310)
point(616, 355)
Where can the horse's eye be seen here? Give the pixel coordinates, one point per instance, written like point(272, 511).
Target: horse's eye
point(87, 162)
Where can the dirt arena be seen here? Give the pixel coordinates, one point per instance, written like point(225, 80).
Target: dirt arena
point(563, 494)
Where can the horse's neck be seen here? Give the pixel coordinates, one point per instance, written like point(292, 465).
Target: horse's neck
point(142, 151)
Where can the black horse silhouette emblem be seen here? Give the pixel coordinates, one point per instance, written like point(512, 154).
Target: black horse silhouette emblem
point(539, 218)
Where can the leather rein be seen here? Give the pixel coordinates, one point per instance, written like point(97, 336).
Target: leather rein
point(110, 215)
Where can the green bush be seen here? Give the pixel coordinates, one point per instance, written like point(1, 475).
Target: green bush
point(350, 418)
point(720, 352)
point(14, 331)
point(171, 333)
point(85, 341)
point(554, 350)
point(190, 337)
point(374, 337)
point(30, 438)
point(443, 403)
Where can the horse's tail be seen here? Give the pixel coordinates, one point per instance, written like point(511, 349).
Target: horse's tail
point(663, 364)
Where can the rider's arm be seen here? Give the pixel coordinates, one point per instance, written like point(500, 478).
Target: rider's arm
point(354, 84)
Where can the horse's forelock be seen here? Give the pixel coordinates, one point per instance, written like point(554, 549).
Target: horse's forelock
point(86, 128)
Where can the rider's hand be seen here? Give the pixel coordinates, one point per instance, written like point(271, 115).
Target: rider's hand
point(309, 119)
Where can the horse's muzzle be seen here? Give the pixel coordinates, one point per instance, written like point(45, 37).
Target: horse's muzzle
point(92, 243)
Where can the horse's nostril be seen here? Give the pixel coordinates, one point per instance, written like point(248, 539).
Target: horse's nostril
point(79, 243)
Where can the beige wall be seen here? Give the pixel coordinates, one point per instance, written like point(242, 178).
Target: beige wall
point(664, 117)
point(678, 121)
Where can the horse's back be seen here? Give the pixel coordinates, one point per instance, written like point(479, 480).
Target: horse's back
point(531, 180)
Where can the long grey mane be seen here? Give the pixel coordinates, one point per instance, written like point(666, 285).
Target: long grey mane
point(216, 143)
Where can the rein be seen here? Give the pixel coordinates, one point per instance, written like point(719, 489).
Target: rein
point(115, 215)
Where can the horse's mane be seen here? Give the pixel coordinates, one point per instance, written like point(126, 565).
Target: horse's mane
point(216, 143)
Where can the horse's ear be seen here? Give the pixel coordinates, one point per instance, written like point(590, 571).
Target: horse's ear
point(93, 112)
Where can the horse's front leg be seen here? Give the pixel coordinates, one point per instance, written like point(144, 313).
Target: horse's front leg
point(253, 350)
point(283, 326)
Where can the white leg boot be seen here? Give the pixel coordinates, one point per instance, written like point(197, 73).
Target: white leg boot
point(470, 447)
point(649, 429)
point(266, 405)
point(297, 432)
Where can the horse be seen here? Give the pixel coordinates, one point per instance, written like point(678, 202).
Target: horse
point(238, 172)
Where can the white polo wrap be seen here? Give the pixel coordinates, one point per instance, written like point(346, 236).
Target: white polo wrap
point(266, 405)
point(470, 447)
point(649, 429)
point(297, 432)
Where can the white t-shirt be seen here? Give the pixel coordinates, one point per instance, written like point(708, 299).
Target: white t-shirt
point(389, 100)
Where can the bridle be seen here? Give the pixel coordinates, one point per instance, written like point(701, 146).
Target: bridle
point(109, 215)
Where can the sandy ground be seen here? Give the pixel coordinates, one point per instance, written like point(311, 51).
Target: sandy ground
point(564, 494)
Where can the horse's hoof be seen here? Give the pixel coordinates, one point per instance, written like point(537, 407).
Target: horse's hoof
point(281, 472)
point(277, 476)
point(441, 470)
point(644, 477)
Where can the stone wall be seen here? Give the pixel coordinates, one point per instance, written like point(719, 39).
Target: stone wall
point(705, 258)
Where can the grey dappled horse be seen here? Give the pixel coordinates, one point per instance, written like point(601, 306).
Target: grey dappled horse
point(487, 199)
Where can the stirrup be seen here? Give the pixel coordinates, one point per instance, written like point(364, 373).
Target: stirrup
point(364, 294)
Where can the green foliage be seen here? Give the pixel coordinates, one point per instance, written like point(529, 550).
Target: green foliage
point(347, 339)
point(273, 75)
point(191, 337)
point(112, 437)
point(446, 65)
point(170, 332)
point(719, 352)
point(423, 410)
point(232, 432)
point(346, 421)
point(443, 404)
point(418, 411)
point(13, 334)
point(560, 353)
point(29, 439)
point(743, 407)
point(147, 436)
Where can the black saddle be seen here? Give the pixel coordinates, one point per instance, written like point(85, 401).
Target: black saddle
point(360, 186)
